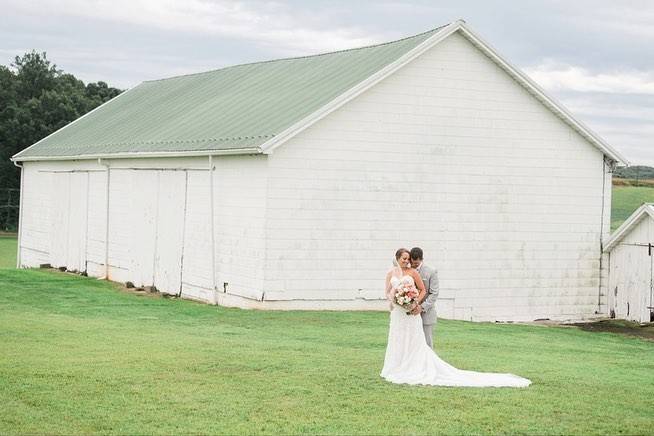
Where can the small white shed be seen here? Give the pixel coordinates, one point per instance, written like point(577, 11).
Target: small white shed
point(630, 249)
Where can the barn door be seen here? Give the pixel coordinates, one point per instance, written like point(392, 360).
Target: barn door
point(631, 281)
point(60, 198)
point(77, 222)
point(144, 227)
point(643, 300)
point(69, 223)
point(170, 231)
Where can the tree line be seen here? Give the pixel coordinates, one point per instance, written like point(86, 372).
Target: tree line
point(636, 172)
point(36, 99)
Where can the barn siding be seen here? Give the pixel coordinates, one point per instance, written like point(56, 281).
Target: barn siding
point(197, 274)
point(36, 225)
point(449, 154)
point(240, 184)
point(159, 222)
point(97, 216)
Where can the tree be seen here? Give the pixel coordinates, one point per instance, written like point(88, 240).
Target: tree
point(36, 99)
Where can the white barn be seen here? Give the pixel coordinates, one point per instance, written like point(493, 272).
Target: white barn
point(631, 267)
point(289, 184)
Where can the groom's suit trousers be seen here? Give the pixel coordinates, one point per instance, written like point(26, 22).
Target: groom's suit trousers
point(429, 334)
point(429, 277)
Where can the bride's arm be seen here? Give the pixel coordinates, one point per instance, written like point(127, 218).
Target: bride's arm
point(387, 289)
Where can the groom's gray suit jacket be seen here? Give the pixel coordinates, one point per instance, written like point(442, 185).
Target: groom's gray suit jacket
point(430, 279)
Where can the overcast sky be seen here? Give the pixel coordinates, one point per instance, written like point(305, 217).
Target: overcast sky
point(596, 57)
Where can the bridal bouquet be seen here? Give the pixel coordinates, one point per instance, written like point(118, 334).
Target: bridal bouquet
point(406, 295)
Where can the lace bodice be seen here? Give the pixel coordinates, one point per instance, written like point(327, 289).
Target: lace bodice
point(404, 280)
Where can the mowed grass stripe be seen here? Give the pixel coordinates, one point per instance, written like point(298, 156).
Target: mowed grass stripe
point(625, 200)
point(82, 356)
point(8, 247)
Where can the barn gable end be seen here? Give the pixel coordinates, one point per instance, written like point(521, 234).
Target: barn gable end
point(509, 202)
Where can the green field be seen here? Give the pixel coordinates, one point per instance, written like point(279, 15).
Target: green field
point(82, 356)
point(8, 247)
point(626, 199)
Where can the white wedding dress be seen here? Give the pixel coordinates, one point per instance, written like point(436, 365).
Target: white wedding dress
point(410, 360)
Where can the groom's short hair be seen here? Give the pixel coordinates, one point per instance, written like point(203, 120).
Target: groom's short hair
point(416, 253)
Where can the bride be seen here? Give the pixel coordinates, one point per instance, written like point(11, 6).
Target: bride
point(408, 357)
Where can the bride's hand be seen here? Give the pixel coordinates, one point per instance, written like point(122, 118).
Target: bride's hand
point(417, 309)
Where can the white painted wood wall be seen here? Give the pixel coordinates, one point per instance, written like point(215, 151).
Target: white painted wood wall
point(159, 222)
point(507, 201)
point(449, 153)
point(631, 266)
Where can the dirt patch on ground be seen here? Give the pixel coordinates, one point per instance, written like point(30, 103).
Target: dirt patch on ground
point(618, 326)
point(648, 183)
point(627, 328)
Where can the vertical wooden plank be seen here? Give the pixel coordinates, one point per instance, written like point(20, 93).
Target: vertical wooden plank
point(170, 231)
point(197, 274)
point(60, 199)
point(143, 217)
point(77, 215)
point(96, 222)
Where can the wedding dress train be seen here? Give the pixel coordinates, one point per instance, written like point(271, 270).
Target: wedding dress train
point(410, 360)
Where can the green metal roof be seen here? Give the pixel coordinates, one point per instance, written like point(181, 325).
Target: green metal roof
point(232, 108)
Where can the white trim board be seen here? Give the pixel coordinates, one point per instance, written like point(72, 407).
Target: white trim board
point(144, 154)
point(629, 224)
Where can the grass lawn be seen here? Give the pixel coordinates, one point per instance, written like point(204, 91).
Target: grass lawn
point(8, 245)
point(626, 199)
point(82, 356)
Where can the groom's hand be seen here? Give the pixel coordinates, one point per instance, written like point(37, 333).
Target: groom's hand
point(416, 310)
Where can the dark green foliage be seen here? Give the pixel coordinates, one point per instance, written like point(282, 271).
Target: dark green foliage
point(36, 99)
point(636, 172)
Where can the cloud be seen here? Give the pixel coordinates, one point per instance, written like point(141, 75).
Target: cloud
point(630, 18)
point(617, 104)
point(270, 24)
point(554, 76)
point(626, 121)
point(620, 107)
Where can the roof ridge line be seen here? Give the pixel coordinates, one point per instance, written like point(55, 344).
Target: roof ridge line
point(299, 57)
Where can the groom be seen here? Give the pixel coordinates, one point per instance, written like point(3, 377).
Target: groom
point(428, 306)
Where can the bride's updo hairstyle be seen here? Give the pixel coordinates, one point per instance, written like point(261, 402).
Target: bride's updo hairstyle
point(400, 252)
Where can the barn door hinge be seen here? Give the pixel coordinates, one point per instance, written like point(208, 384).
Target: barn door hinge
point(649, 248)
